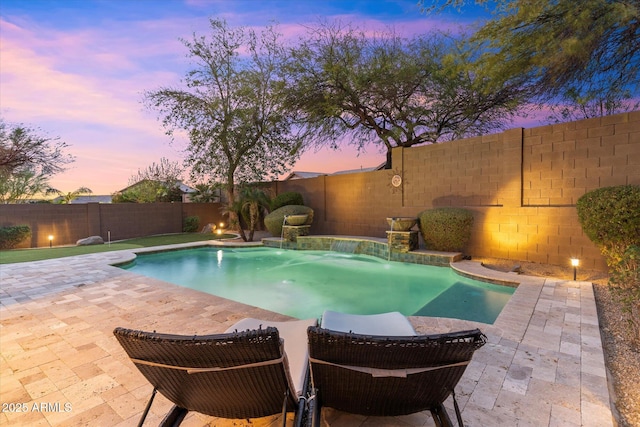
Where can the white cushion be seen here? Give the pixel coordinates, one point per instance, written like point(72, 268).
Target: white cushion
point(386, 324)
point(294, 335)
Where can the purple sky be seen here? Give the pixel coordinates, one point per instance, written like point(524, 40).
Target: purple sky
point(76, 69)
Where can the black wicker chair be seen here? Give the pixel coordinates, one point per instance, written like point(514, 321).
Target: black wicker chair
point(231, 375)
point(388, 376)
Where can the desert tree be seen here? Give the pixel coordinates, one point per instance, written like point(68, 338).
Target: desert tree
point(27, 161)
point(232, 108)
point(158, 182)
point(591, 101)
point(582, 54)
point(23, 185)
point(393, 91)
point(22, 147)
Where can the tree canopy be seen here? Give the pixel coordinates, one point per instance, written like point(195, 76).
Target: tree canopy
point(22, 148)
point(394, 91)
point(27, 161)
point(158, 182)
point(232, 107)
point(564, 47)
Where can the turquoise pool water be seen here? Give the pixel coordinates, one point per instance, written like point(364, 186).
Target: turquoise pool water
point(303, 284)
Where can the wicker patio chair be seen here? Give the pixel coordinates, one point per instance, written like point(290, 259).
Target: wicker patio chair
point(243, 373)
point(388, 375)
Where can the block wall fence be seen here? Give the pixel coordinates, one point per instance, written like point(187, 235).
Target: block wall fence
point(68, 223)
point(521, 185)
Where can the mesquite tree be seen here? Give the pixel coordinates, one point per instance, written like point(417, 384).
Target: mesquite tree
point(232, 108)
point(394, 91)
point(582, 54)
point(27, 161)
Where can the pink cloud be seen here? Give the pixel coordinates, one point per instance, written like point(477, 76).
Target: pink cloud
point(85, 85)
point(88, 97)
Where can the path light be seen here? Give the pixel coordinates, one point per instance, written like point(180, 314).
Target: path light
point(575, 262)
point(50, 240)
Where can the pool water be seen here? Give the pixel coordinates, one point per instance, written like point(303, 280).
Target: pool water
point(303, 284)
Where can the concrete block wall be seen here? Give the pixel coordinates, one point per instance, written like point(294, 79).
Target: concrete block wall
point(207, 213)
point(68, 223)
point(522, 186)
point(140, 219)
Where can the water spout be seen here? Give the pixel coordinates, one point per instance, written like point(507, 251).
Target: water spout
point(284, 222)
point(393, 220)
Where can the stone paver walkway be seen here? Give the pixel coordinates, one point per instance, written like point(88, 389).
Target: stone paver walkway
point(60, 365)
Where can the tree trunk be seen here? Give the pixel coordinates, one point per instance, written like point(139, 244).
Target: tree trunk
point(234, 218)
point(388, 163)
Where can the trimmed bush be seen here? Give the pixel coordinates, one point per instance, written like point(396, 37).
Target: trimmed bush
point(445, 229)
point(610, 217)
point(273, 221)
point(286, 199)
point(11, 236)
point(190, 224)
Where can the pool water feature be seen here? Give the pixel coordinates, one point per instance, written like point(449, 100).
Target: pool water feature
point(345, 246)
point(303, 284)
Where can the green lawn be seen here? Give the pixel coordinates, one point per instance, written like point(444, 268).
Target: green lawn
point(27, 255)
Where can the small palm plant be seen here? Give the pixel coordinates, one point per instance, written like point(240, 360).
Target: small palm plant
point(254, 202)
point(66, 198)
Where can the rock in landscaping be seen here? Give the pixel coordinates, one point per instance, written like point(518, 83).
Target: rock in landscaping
point(209, 229)
point(92, 240)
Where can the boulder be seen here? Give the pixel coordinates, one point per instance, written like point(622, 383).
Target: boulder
point(91, 240)
point(209, 229)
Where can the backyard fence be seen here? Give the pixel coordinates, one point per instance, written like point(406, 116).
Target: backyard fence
point(521, 185)
point(69, 223)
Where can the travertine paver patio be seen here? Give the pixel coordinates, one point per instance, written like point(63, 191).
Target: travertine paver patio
point(61, 365)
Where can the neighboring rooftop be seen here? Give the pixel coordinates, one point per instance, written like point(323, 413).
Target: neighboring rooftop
point(90, 199)
point(304, 175)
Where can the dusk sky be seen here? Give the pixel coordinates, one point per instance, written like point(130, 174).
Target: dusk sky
point(76, 69)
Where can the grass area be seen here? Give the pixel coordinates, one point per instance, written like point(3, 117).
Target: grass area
point(38, 254)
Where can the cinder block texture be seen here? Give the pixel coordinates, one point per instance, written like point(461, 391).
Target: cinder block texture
point(522, 186)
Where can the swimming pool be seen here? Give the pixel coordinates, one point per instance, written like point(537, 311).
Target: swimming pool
point(303, 284)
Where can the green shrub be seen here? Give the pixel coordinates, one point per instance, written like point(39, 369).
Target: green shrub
point(190, 224)
point(445, 229)
point(610, 217)
point(11, 236)
point(625, 269)
point(273, 221)
point(286, 199)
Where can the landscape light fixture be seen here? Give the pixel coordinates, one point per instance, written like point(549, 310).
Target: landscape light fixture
point(50, 240)
point(575, 262)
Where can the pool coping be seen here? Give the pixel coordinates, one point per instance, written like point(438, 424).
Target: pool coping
point(543, 363)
